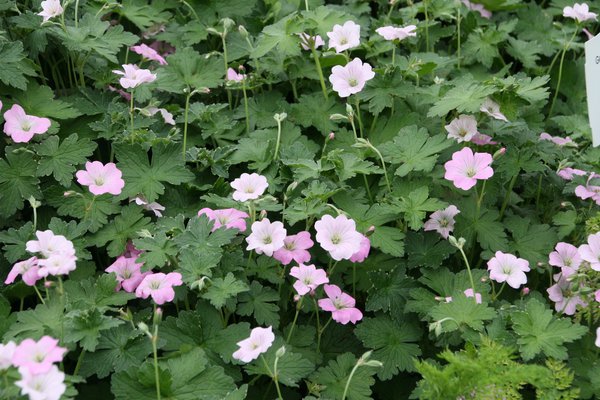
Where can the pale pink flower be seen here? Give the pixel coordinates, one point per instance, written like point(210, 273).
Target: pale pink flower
point(341, 305)
point(249, 187)
point(260, 340)
point(101, 178)
point(362, 253)
point(50, 9)
point(466, 168)
point(344, 37)
point(133, 76)
point(159, 286)
point(492, 109)
point(462, 129)
point(234, 76)
point(351, 78)
point(557, 140)
point(307, 41)
point(309, 278)
point(589, 34)
point(28, 270)
point(566, 257)
point(508, 268)
point(589, 190)
point(122, 93)
point(166, 116)
point(155, 207)
point(568, 173)
point(394, 33)
point(590, 252)
point(128, 273)
point(56, 264)
point(579, 12)
point(597, 342)
point(131, 251)
point(295, 248)
point(469, 293)
point(485, 13)
point(148, 53)
point(230, 218)
point(7, 352)
point(442, 221)
point(48, 244)
point(481, 139)
point(597, 295)
point(338, 236)
point(46, 386)
point(22, 127)
point(266, 237)
point(561, 294)
point(163, 48)
point(37, 357)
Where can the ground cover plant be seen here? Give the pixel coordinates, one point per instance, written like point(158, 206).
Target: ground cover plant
point(286, 199)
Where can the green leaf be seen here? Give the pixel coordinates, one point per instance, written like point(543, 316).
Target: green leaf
point(414, 150)
point(465, 97)
point(389, 240)
point(261, 302)
point(85, 326)
point(146, 177)
point(92, 211)
point(566, 222)
point(17, 181)
point(291, 367)
point(156, 250)
point(540, 332)
point(123, 228)
point(142, 14)
point(95, 293)
point(392, 342)
point(335, 375)
point(15, 65)
point(280, 36)
point(187, 68)
point(39, 100)
point(348, 165)
point(482, 45)
point(532, 242)
point(222, 289)
point(14, 242)
point(427, 249)
point(60, 159)
point(486, 228)
point(415, 206)
point(45, 319)
point(462, 311)
point(389, 290)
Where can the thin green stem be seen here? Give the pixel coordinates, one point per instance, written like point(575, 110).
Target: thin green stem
point(394, 54)
point(246, 106)
point(306, 5)
point(185, 123)
point(37, 291)
point(298, 307)
point(350, 379)
point(497, 294)
point(458, 18)
point(273, 376)
point(480, 198)
point(507, 196)
point(425, 3)
point(79, 361)
point(464, 256)
point(358, 117)
point(321, 330)
point(226, 61)
point(385, 174)
point(560, 70)
point(131, 110)
point(319, 69)
point(278, 143)
point(76, 13)
point(154, 340)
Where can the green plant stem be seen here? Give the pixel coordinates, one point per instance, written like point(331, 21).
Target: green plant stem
point(425, 3)
point(79, 361)
point(306, 5)
point(496, 295)
point(319, 70)
point(507, 196)
point(538, 193)
point(37, 291)
point(131, 114)
point(464, 256)
point(358, 117)
point(480, 198)
point(226, 62)
point(278, 143)
point(458, 18)
point(76, 13)
point(298, 307)
point(185, 123)
point(154, 340)
point(246, 106)
point(394, 54)
point(317, 318)
point(560, 70)
point(385, 174)
point(273, 376)
point(320, 333)
point(350, 379)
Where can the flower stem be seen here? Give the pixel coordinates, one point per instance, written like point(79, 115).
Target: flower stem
point(154, 340)
point(320, 332)
point(425, 3)
point(500, 291)
point(560, 70)
point(319, 69)
point(273, 376)
point(39, 294)
point(507, 196)
point(278, 143)
point(318, 322)
point(358, 363)
point(298, 307)
point(226, 62)
point(360, 124)
point(306, 5)
point(385, 174)
point(246, 106)
point(79, 361)
point(131, 110)
point(469, 272)
point(185, 123)
point(394, 55)
point(458, 35)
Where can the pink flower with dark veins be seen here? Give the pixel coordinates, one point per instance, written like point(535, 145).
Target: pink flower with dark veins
point(22, 127)
point(295, 248)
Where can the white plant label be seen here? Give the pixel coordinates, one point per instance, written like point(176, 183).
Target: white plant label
point(592, 84)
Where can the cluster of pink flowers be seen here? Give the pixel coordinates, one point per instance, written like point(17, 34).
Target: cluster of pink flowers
point(130, 278)
point(100, 178)
point(21, 127)
point(40, 377)
point(55, 255)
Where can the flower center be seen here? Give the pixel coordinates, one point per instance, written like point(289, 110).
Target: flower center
point(155, 285)
point(249, 190)
point(39, 357)
point(290, 246)
point(568, 262)
point(462, 132)
point(336, 239)
point(337, 303)
point(470, 172)
point(26, 125)
point(307, 281)
point(126, 274)
point(506, 270)
point(223, 220)
point(267, 239)
point(99, 181)
point(444, 222)
point(353, 82)
point(343, 41)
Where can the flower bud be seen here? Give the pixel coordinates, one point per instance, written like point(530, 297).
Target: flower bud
point(243, 31)
point(525, 291)
point(331, 136)
point(280, 352)
point(227, 23)
point(349, 110)
point(499, 153)
point(48, 284)
point(338, 117)
point(263, 214)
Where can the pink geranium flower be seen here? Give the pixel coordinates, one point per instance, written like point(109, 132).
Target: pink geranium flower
point(589, 190)
point(508, 268)
point(462, 129)
point(309, 278)
point(149, 53)
point(579, 12)
point(564, 300)
point(101, 178)
point(159, 286)
point(338, 236)
point(131, 251)
point(230, 218)
point(155, 207)
point(481, 139)
point(28, 270)
point(394, 33)
point(50, 9)
point(260, 340)
point(133, 76)
point(351, 78)
point(568, 173)
point(492, 109)
point(47, 386)
point(469, 293)
point(307, 41)
point(295, 248)
point(363, 252)
point(249, 187)
point(56, 264)
point(234, 76)
point(566, 257)
point(344, 37)
point(557, 140)
point(442, 221)
point(128, 273)
point(22, 127)
point(7, 352)
point(38, 357)
point(590, 252)
point(466, 168)
point(48, 244)
point(341, 305)
point(166, 115)
point(485, 13)
point(266, 237)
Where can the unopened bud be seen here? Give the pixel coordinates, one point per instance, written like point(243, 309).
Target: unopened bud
point(213, 31)
point(144, 328)
point(539, 264)
point(280, 117)
point(280, 352)
point(349, 110)
point(338, 117)
point(331, 136)
point(34, 203)
point(200, 283)
point(69, 193)
point(525, 291)
point(374, 363)
point(243, 31)
point(499, 153)
point(297, 298)
point(227, 23)
point(48, 284)
point(157, 316)
point(263, 214)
